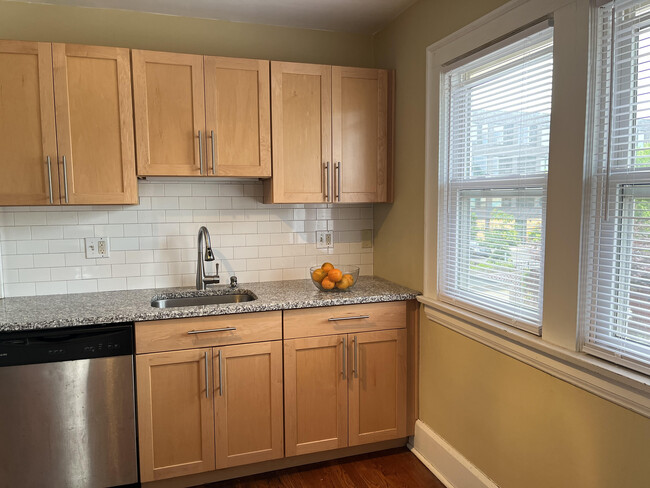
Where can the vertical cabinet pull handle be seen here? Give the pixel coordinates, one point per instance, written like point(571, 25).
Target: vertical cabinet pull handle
point(200, 154)
point(345, 355)
point(207, 382)
point(355, 367)
point(338, 181)
point(65, 178)
point(213, 143)
point(220, 376)
point(327, 181)
point(49, 177)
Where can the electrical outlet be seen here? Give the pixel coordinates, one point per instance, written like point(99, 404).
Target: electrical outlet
point(97, 247)
point(366, 238)
point(324, 239)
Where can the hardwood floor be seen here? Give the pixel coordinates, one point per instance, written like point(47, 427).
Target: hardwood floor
point(386, 469)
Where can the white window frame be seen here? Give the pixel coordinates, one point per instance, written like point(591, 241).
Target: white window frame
point(556, 351)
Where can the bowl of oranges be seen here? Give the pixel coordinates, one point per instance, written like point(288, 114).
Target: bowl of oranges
point(329, 278)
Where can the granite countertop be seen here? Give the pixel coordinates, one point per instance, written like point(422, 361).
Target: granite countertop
point(53, 311)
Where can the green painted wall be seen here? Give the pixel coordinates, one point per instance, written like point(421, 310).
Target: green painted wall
point(521, 427)
point(37, 22)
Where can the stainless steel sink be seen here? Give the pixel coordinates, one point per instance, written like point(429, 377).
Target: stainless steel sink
point(202, 300)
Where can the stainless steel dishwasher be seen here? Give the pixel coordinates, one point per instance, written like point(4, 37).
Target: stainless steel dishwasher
point(67, 410)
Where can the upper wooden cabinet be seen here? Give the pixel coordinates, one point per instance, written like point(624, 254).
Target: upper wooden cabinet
point(197, 115)
point(86, 156)
point(359, 134)
point(331, 134)
point(27, 127)
point(94, 124)
point(302, 118)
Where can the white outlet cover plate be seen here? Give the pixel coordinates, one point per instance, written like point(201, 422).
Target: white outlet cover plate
point(93, 247)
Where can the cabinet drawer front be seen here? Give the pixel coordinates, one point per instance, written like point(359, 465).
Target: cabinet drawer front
point(176, 334)
point(351, 318)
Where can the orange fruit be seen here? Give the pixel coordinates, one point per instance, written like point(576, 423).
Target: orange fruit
point(349, 278)
point(318, 275)
point(327, 266)
point(327, 284)
point(343, 284)
point(335, 275)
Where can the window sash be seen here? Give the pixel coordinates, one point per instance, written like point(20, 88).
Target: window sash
point(614, 318)
point(513, 166)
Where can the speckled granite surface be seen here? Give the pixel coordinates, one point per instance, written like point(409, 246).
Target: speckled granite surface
point(52, 311)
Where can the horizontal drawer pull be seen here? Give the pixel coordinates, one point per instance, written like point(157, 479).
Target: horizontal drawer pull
point(335, 319)
point(205, 331)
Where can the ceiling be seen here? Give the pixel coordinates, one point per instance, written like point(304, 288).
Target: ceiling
point(361, 16)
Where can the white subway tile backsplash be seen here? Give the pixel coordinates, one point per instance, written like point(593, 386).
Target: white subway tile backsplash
point(153, 244)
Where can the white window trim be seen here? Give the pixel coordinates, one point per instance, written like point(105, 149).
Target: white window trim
point(556, 351)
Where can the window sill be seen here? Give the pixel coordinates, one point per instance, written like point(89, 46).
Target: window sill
point(621, 386)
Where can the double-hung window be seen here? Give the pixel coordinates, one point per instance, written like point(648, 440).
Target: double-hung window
point(615, 318)
point(494, 147)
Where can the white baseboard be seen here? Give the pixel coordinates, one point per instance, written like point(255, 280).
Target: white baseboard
point(449, 465)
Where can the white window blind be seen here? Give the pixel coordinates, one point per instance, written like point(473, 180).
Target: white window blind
point(494, 151)
point(615, 320)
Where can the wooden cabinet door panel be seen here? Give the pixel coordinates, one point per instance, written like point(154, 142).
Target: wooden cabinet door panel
point(168, 95)
point(315, 395)
point(237, 114)
point(301, 118)
point(359, 134)
point(94, 124)
point(27, 125)
point(175, 412)
point(377, 386)
point(248, 403)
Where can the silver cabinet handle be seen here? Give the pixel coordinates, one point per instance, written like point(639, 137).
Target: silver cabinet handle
point(327, 181)
point(354, 317)
point(345, 356)
point(49, 177)
point(200, 153)
point(207, 382)
point(338, 181)
point(220, 376)
point(213, 143)
point(355, 369)
point(65, 178)
point(205, 331)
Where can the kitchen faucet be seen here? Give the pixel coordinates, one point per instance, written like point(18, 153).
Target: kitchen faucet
point(202, 278)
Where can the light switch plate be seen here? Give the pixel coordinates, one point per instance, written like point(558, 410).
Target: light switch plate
point(97, 247)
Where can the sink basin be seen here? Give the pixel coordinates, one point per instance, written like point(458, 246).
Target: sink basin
point(202, 300)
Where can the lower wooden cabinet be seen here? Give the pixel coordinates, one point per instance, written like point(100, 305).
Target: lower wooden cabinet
point(175, 413)
point(344, 390)
point(248, 403)
point(201, 409)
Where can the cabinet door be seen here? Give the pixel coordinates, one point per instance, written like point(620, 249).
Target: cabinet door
point(94, 125)
point(301, 117)
point(238, 117)
point(377, 386)
point(359, 134)
point(27, 127)
point(248, 403)
point(169, 108)
point(315, 394)
point(175, 413)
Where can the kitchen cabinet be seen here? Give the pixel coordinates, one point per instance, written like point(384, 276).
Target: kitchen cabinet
point(175, 413)
point(248, 403)
point(332, 136)
point(302, 128)
point(345, 376)
point(201, 115)
point(209, 395)
point(77, 150)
